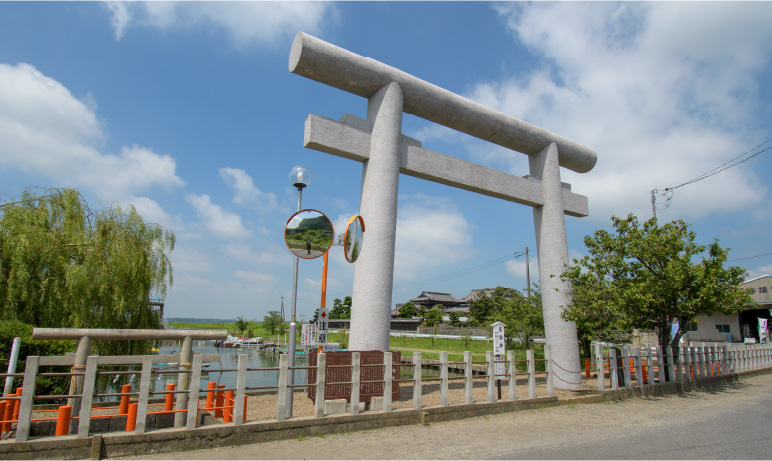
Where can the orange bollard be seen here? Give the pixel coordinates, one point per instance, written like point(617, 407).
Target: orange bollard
point(219, 402)
point(210, 395)
point(63, 420)
point(131, 419)
point(244, 417)
point(227, 416)
point(169, 403)
point(4, 427)
point(17, 404)
point(587, 368)
point(7, 415)
point(124, 407)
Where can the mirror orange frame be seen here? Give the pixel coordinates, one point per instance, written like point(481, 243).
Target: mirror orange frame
point(311, 242)
point(352, 239)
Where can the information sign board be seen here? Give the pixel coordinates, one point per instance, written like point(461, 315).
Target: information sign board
point(322, 325)
point(500, 366)
point(499, 344)
point(308, 335)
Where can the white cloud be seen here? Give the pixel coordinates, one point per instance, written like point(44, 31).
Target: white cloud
point(45, 130)
point(662, 91)
point(246, 193)
point(431, 234)
point(121, 17)
point(186, 260)
point(152, 212)
point(217, 220)
point(758, 271)
point(245, 23)
point(256, 279)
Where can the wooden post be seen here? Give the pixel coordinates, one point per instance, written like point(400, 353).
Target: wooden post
point(321, 371)
point(239, 411)
point(195, 384)
point(512, 383)
point(599, 362)
point(468, 378)
point(281, 395)
point(417, 380)
point(388, 379)
point(444, 378)
point(84, 422)
point(356, 381)
point(531, 374)
point(489, 357)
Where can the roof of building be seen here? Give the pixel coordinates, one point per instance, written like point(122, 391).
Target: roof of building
point(435, 298)
point(474, 293)
point(754, 279)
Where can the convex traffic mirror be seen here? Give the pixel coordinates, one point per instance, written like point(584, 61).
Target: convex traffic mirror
point(352, 245)
point(308, 234)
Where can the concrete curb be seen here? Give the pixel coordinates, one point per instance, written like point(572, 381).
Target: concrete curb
point(177, 439)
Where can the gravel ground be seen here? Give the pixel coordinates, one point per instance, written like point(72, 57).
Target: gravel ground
point(505, 435)
point(264, 406)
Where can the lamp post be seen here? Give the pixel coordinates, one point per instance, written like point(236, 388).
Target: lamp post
point(299, 177)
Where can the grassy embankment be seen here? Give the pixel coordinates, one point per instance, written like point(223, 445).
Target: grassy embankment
point(429, 348)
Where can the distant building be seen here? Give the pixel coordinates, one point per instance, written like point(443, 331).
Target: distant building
point(448, 303)
point(737, 328)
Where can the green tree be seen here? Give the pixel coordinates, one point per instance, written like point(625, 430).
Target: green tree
point(648, 276)
point(523, 317)
point(432, 317)
point(486, 307)
point(241, 325)
point(272, 321)
point(63, 264)
point(454, 319)
point(341, 309)
point(44, 385)
point(407, 311)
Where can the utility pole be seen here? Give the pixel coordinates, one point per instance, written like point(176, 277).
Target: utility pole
point(654, 203)
point(527, 273)
point(282, 309)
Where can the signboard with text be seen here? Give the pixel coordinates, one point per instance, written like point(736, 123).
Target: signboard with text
point(308, 335)
point(499, 342)
point(322, 325)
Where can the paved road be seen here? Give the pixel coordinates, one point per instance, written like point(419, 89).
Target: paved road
point(730, 422)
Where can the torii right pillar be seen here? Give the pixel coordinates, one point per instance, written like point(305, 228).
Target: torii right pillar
point(552, 249)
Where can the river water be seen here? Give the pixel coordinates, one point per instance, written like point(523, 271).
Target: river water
point(256, 358)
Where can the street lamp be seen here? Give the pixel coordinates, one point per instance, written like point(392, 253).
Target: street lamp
point(299, 177)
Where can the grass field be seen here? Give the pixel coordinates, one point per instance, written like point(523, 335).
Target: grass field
point(429, 348)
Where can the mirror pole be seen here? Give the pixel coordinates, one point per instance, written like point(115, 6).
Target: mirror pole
point(293, 327)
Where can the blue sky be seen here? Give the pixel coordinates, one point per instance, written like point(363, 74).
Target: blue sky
point(188, 112)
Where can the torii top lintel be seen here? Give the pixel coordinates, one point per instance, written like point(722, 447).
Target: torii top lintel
point(329, 64)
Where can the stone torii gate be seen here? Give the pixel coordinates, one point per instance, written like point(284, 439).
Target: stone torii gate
point(385, 152)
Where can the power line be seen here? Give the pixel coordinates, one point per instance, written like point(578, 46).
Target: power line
point(462, 272)
point(667, 193)
point(452, 275)
point(748, 257)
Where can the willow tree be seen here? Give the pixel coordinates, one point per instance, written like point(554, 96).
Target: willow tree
point(63, 264)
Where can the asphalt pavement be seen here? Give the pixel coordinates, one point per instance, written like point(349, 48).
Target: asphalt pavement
point(728, 422)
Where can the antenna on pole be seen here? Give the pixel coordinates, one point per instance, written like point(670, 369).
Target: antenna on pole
point(654, 203)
